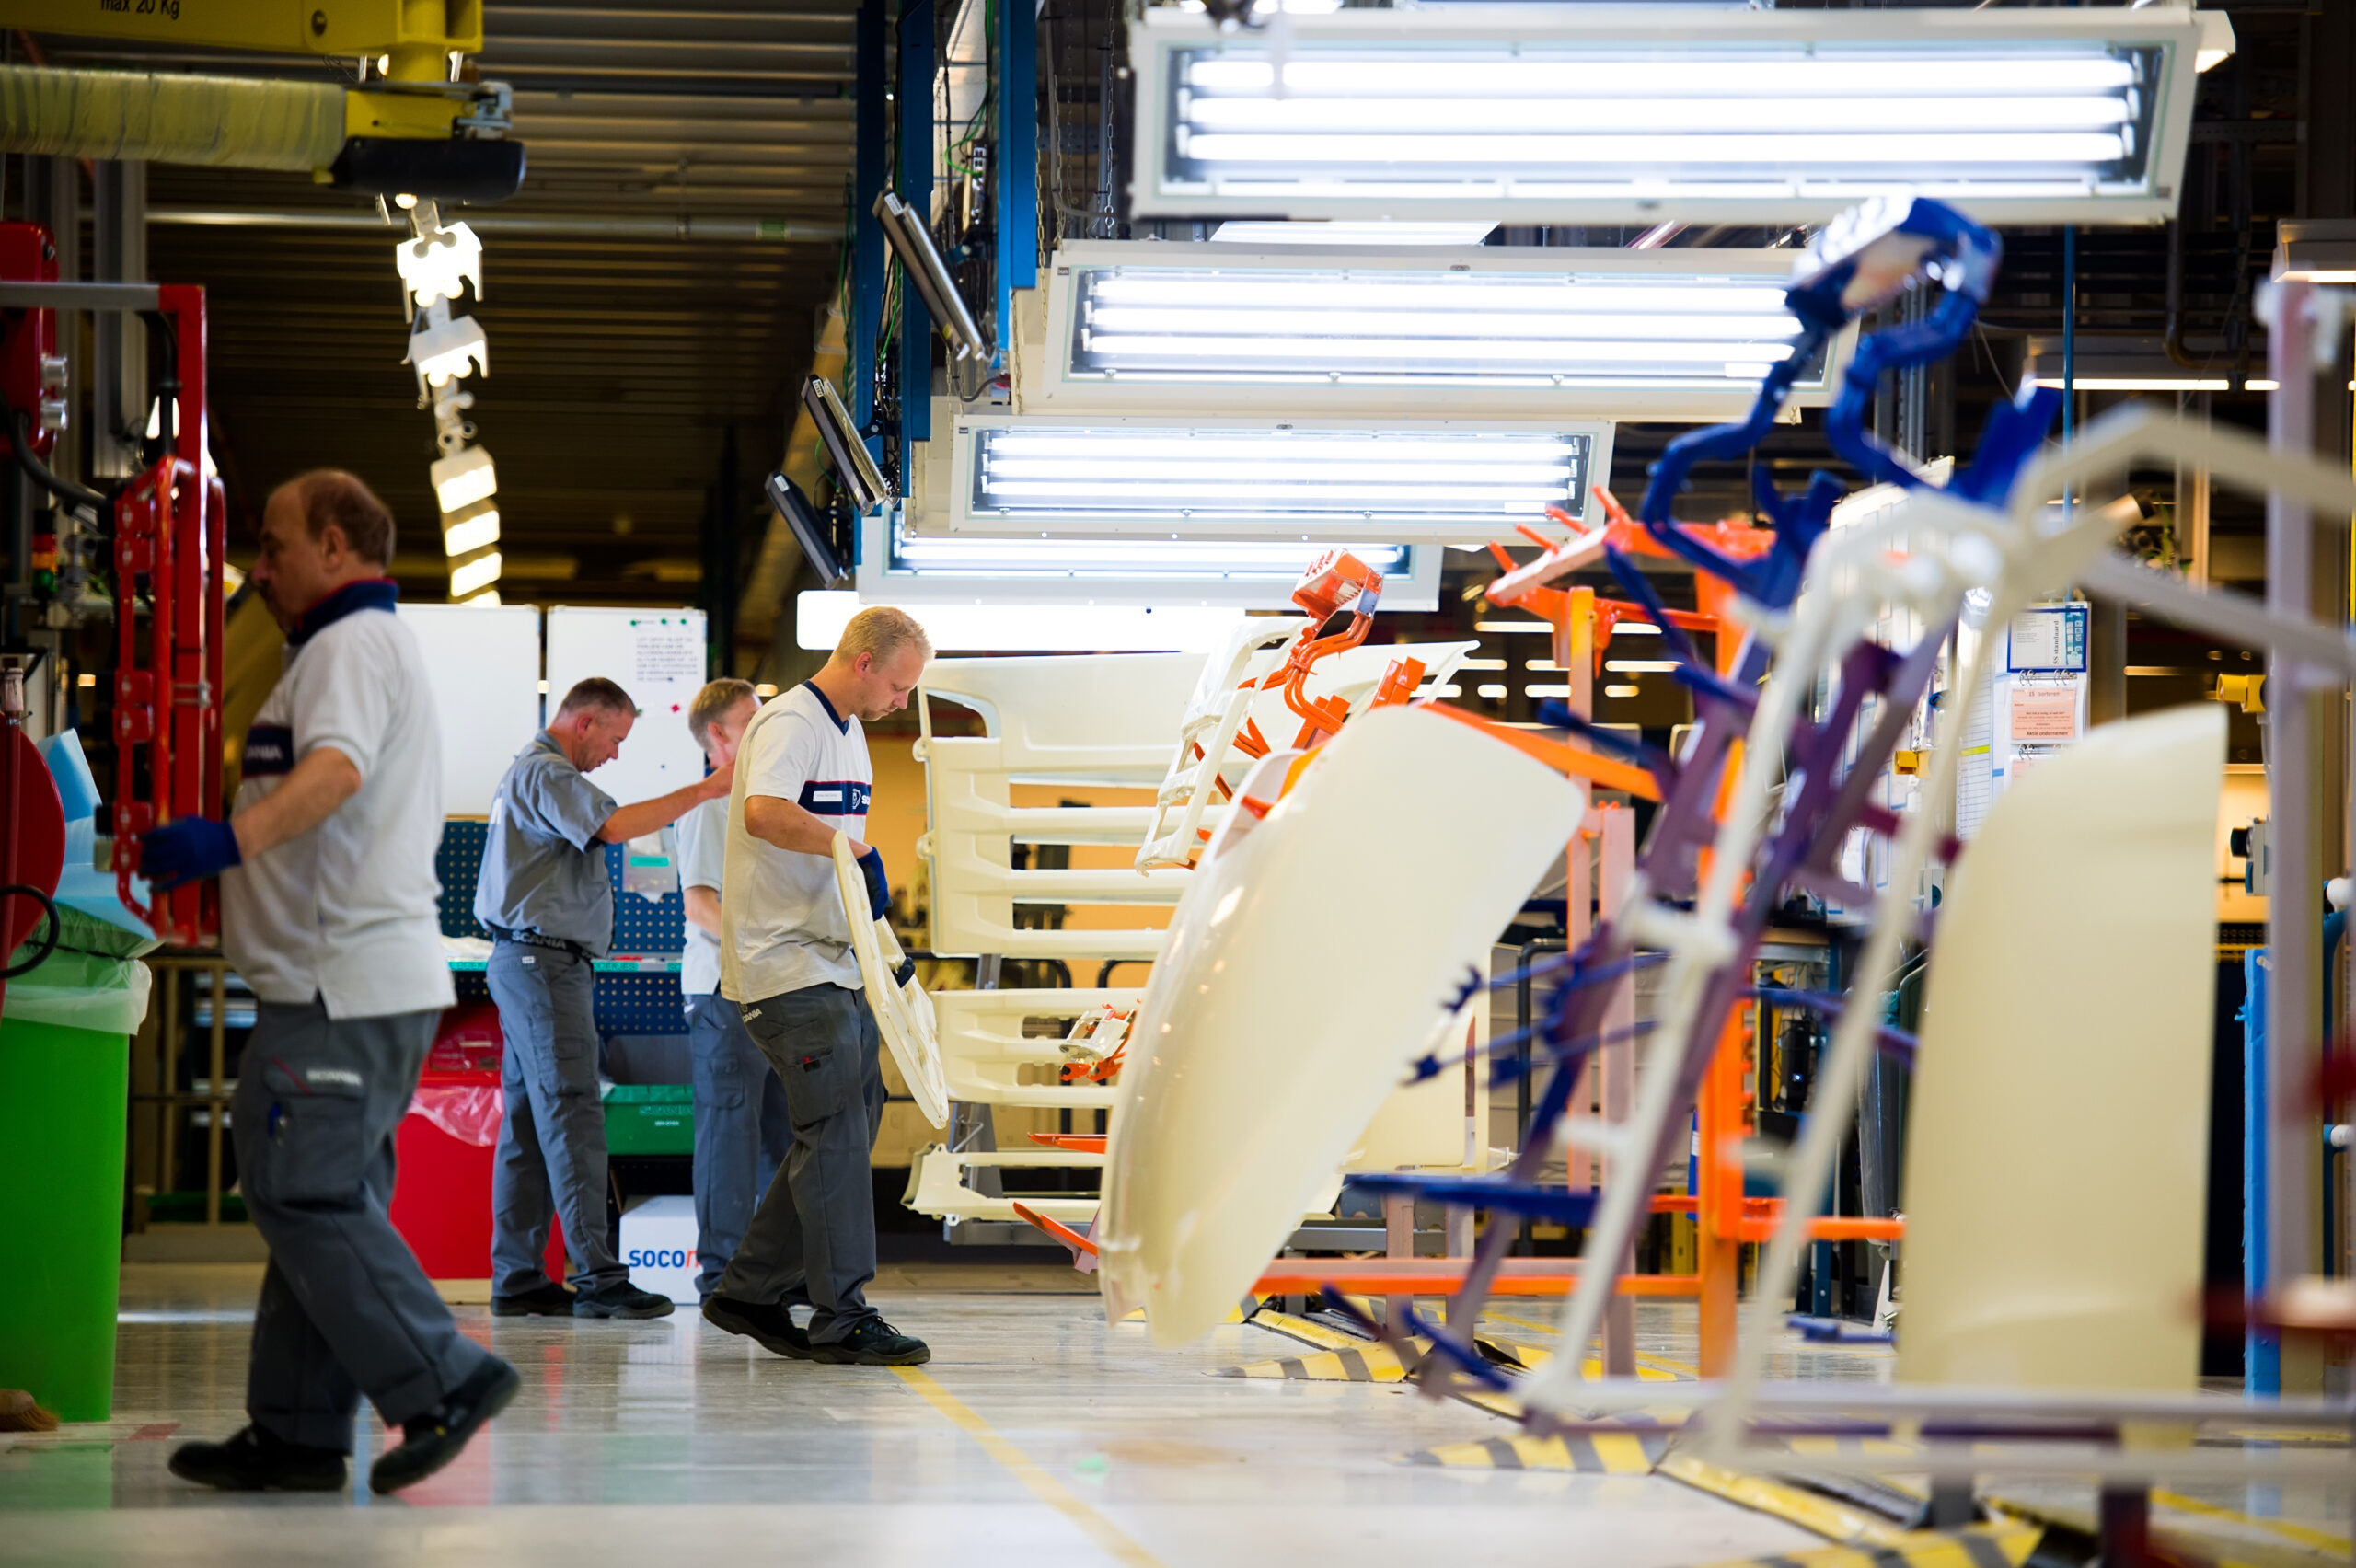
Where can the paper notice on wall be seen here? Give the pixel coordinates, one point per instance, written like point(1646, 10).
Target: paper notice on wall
point(2044, 714)
point(1975, 789)
point(668, 650)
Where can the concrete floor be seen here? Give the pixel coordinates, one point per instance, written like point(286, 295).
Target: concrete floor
point(1038, 1433)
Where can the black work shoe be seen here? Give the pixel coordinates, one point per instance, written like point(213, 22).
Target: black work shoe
point(550, 1301)
point(254, 1460)
point(771, 1326)
point(623, 1300)
point(874, 1343)
point(431, 1441)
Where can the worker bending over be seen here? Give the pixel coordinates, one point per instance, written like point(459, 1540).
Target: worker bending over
point(741, 1129)
point(328, 913)
point(785, 959)
point(546, 898)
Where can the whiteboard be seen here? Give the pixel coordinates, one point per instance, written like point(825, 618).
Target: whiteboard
point(483, 663)
point(658, 656)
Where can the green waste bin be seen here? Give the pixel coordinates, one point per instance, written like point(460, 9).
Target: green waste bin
point(65, 1085)
point(649, 1118)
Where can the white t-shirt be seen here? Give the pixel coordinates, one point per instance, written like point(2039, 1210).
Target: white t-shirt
point(347, 912)
point(781, 922)
point(699, 846)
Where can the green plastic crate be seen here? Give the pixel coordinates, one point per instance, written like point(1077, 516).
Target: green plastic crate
point(649, 1118)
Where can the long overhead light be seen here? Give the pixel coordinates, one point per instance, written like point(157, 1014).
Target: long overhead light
point(898, 565)
point(1530, 114)
point(1333, 231)
point(1525, 330)
point(1412, 483)
point(820, 616)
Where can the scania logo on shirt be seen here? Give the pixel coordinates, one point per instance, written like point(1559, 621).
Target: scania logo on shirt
point(270, 751)
point(835, 797)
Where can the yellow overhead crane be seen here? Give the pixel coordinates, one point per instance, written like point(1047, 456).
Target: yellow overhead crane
point(415, 127)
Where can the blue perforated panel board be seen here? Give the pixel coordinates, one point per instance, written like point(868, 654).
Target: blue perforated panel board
point(644, 925)
point(458, 862)
point(639, 1004)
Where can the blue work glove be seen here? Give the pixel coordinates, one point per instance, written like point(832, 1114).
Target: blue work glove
point(879, 891)
point(188, 850)
point(905, 972)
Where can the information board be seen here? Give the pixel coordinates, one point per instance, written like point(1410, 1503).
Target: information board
point(658, 656)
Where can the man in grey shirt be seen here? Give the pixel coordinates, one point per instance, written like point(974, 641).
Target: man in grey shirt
point(546, 898)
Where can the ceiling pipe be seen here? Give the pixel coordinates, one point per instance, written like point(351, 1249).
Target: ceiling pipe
point(591, 225)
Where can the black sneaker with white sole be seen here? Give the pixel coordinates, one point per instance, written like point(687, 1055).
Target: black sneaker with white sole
point(873, 1343)
point(255, 1460)
point(550, 1300)
point(771, 1326)
point(623, 1300)
point(434, 1439)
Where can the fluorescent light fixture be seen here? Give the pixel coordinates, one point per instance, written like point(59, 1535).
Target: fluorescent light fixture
point(2320, 251)
point(450, 351)
point(2217, 42)
point(1336, 231)
point(471, 529)
point(812, 531)
point(1664, 334)
point(488, 599)
point(440, 265)
point(1640, 666)
point(1495, 693)
point(904, 231)
point(1605, 114)
point(1635, 629)
point(1312, 480)
point(464, 477)
point(1501, 626)
point(2146, 383)
point(898, 565)
point(2116, 362)
point(854, 465)
point(468, 576)
point(819, 619)
point(1622, 691)
point(1545, 691)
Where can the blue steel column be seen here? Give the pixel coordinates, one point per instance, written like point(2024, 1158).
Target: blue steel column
point(1014, 67)
point(871, 169)
point(914, 186)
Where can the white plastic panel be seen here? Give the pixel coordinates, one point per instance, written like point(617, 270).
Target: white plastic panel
point(2057, 1154)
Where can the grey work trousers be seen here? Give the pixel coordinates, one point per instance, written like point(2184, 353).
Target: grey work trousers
point(740, 1132)
point(552, 1156)
point(345, 1310)
point(813, 1237)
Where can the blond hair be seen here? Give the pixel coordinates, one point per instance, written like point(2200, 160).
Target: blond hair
point(714, 700)
point(882, 630)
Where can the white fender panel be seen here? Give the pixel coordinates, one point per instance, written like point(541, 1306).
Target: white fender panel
point(1308, 964)
point(2057, 1156)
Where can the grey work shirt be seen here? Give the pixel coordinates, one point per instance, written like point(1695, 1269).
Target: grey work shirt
point(543, 868)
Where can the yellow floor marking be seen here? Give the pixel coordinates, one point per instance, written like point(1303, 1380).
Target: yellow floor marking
point(1602, 1453)
point(1044, 1487)
point(1310, 1332)
point(1811, 1511)
point(2322, 1540)
point(2006, 1543)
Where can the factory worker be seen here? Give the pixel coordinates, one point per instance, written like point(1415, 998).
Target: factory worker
point(546, 898)
point(785, 959)
point(328, 913)
point(741, 1131)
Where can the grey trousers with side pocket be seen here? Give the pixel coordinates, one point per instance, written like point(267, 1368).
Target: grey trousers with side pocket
point(812, 1239)
point(345, 1309)
point(552, 1156)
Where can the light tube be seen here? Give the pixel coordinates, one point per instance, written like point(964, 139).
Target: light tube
point(1622, 691)
point(1332, 231)
point(467, 576)
point(1060, 558)
point(820, 617)
point(464, 477)
point(1524, 331)
point(467, 534)
point(1435, 482)
point(1772, 152)
point(1541, 113)
point(1641, 667)
point(1681, 118)
point(2141, 382)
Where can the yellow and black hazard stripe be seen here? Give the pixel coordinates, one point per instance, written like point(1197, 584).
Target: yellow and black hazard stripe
point(1598, 1453)
point(1980, 1546)
point(1363, 1363)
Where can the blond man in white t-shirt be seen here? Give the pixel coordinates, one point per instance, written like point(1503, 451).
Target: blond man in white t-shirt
point(803, 776)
